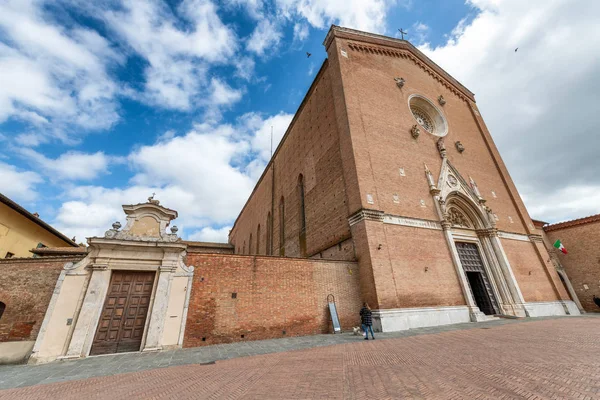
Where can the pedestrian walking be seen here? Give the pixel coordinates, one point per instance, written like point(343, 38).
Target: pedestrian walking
point(366, 319)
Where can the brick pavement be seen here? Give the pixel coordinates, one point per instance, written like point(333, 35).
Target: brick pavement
point(543, 359)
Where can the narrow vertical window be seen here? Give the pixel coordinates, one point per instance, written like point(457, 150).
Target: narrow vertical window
point(2, 308)
point(250, 245)
point(258, 239)
point(282, 227)
point(269, 235)
point(302, 214)
point(244, 248)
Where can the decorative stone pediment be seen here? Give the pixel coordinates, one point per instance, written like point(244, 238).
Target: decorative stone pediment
point(146, 222)
point(451, 184)
point(451, 181)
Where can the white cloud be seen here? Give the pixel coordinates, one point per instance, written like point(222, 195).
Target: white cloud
point(209, 234)
point(206, 175)
point(418, 33)
point(18, 185)
point(566, 203)
point(261, 132)
point(300, 31)
point(244, 67)
point(31, 139)
point(367, 15)
point(539, 104)
point(179, 59)
point(223, 94)
point(69, 166)
point(53, 74)
point(255, 8)
point(266, 36)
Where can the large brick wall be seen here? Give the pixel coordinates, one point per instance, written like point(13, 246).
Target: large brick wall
point(311, 148)
point(531, 274)
point(582, 263)
point(26, 286)
point(273, 295)
point(380, 122)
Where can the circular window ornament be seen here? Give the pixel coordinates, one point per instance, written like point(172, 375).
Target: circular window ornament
point(427, 115)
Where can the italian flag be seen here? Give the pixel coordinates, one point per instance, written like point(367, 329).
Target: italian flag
point(560, 246)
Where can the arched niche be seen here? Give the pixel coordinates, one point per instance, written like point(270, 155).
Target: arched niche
point(462, 213)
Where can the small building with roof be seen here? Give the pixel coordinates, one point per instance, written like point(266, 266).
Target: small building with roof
point(20, 231)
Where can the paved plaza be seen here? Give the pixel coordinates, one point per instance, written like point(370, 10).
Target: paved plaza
point(512, 359)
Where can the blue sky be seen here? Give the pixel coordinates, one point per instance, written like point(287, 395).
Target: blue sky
point(103, 104)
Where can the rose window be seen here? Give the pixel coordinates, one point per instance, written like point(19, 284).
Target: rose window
point(427, 115)
point(423, 119)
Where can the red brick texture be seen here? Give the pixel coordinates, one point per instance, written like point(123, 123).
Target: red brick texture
point(380, 122)
point(582, 263)
point(261, 297)
point(311, 148)
point(26, 286)
point(530, 272)
point(349, 139)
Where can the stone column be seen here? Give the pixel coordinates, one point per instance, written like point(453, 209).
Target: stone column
point(159, 309)
point(474, 311)
point(87, 320)
point(509, 277)
point(570, 289)
point(506, 299)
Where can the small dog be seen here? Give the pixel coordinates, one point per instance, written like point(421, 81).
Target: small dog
point(357, 331)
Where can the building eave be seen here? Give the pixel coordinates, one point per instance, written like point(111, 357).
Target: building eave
point(572, 223)
point(375, 39)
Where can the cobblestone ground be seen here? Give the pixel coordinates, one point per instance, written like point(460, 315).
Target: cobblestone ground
point(548, 359)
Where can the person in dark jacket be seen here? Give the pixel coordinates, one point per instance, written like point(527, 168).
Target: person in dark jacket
point(366, 319)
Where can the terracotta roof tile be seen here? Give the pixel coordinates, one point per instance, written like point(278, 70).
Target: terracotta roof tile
point(572, 223)
point(59, 250)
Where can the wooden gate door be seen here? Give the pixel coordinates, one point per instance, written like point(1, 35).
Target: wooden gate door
point(123, 317)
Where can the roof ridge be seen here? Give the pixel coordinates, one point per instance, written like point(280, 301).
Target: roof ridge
point(573, 222)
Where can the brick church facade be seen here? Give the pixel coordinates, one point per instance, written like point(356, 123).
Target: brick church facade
point(386, 188)
point(388, 162)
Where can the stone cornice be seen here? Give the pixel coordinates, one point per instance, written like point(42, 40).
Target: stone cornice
point(96, 242)
point(487, 232)
point(513, 236)
point(365, 214)
point(535, 238)
point(378, 44)
point(412, 222)
point(98, 267)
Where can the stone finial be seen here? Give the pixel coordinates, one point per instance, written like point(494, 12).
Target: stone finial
point(152, 201)
point(475, 188)
point(399, 82)
point(459, 147)
point(116, 226)
point(415, 131)
point(441, 100)
point(174, 229)
point(432, 189)
point(429, 177)
point(441, 147)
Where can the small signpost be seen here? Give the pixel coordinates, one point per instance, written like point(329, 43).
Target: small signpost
point(334, 315)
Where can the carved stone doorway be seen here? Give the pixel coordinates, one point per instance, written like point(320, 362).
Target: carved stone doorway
point(479, 283)
point(123, 318)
